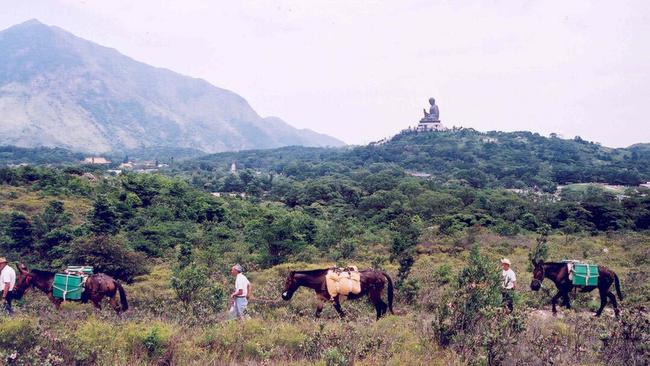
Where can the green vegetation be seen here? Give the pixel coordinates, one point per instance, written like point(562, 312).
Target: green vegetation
point(440, 238)
point(479, 160)
point(40, 155)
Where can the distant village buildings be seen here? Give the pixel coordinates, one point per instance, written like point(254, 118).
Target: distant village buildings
point(96, 160)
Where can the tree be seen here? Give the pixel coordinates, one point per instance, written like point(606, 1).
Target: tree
point(108, 255)
point(21, 231)
point(103, 217)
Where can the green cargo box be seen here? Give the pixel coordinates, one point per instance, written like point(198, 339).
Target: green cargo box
point(585, 274)
point(67, 287)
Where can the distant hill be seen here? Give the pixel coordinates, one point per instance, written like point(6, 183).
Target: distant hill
point(58, 90)
point(491, 159)
point(40, 155)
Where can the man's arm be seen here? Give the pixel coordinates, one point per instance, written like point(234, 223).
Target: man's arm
point(249, 288)
point(237, 293)
point(5, 290)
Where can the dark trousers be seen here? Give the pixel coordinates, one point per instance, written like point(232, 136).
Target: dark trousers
point(10, 297)
point(506, 298)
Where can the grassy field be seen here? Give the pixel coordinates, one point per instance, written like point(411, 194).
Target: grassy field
point(160, 330)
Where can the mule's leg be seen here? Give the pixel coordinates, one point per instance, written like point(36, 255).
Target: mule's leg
point(603, 302)
point(55, 301)
point(612, 298)
point(380, 305)
point(566, 301)
point(319, 307)
point(337, 306)
point(114, 304)
point(554, 301)
point(97, 302)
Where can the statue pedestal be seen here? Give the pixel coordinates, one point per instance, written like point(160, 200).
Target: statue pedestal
point(428, 124)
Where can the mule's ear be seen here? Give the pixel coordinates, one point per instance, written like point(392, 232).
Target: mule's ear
point(534, 263)
point(292, 273)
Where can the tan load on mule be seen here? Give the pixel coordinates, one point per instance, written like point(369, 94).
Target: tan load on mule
point(343, 281)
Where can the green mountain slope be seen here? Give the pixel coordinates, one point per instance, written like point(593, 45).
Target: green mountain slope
point(491, 159)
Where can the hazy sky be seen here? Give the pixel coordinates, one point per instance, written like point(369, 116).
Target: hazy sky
point(363, 70)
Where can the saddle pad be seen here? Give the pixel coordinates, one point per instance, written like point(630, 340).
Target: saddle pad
point(343, 282)
point(585, 274)
point(67, 287)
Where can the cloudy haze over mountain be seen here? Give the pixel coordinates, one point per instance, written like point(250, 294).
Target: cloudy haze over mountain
point(363, 70)
point(60, 90)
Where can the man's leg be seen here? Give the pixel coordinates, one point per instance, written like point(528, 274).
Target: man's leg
point(506, 298)
point(240, 307)
point(510, 299)
point(8, 308)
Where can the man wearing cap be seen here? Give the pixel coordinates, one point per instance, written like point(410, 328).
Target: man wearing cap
point(508, 283)
point(7, 283)
point(242, 292)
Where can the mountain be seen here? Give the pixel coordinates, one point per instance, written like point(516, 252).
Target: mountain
point(58, 90)
point(480, 159)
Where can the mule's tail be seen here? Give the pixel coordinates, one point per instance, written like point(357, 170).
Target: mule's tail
point(389, 292)
point(618, 287)
point(124, 304)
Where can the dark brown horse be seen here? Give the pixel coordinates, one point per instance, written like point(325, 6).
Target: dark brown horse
point(95, 288)
point(559, 274)
point(372, 284)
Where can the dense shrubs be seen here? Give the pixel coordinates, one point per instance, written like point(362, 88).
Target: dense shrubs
point(108, 255)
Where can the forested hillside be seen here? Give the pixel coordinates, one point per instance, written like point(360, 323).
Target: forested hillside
point(440, 237)
point(481, 160)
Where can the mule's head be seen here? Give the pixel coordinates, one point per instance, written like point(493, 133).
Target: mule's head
point(290, 286)
point(538, 275)
point(23, 280)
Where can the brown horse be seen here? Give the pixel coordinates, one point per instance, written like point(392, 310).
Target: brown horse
point(95, 288)
point(559, 274)
point(372, 284)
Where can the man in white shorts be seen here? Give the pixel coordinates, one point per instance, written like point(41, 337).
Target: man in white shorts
point(242, 293)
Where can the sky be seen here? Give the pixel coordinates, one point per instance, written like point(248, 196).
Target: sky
point(364, 70)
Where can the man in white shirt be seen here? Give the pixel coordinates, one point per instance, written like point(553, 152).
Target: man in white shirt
point(7, 283)
point(242, 293)
point(508, 283)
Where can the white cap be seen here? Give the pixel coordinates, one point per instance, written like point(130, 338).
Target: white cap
point(505, 261)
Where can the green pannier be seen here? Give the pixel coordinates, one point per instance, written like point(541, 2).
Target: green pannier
point(67, 286)
point(70, 285)
point(585, 274)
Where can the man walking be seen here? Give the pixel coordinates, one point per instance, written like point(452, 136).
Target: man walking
point(7, 283)
point(508, 283)
point(242, 293)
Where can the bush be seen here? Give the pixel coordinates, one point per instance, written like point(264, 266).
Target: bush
point(18, 335)
point(470, 319)
point(628, 343)
point(108, 255)
point(189, 282)
point(334, 357)
point(154, 342)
